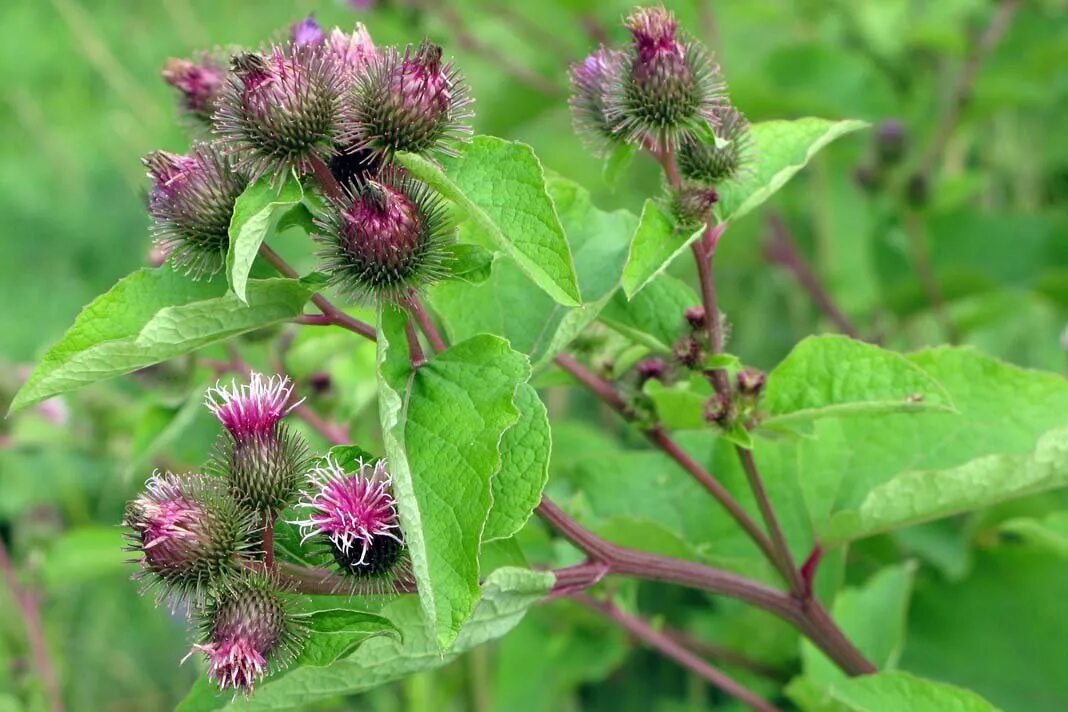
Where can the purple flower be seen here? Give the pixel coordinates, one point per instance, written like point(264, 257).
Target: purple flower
point(651, 368)
point(252, 409)
point(306, 31)
point(199, 83)
point(356, 513)
point(591, 80)
point(247, 629)
point(351, 52)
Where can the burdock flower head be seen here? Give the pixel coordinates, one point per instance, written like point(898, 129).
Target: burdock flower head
point(691, 204)
point(199, 84)
point(728, 154)
point(280, 110)
point(247, 631)
point(351, 53)
point(189, 530)
point(191, 201)
point(306, 32)
point(409, 102)
point(261, 460)
point(668, 85)
point(384, 238)
point(591, 80)
point(355, 515)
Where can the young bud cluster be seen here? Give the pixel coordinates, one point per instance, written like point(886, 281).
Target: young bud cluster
point(727, 155)
point(384, 238)
point(191, 201)
point(199, 84)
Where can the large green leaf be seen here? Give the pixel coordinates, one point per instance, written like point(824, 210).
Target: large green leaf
point(441, 426)
point(501, 187)
point(890, 691)
point(150, 316)
point(525, 450)
point(510, 304)
point(655, 246)
point(505, 596)
point(874, 617)
point(1008, 437)
point(655, 317)
point(335, 632)
point(782, 149)
point(835, 375)
point(255, 211)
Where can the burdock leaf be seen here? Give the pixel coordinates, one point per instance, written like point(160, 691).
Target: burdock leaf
point(255, 212)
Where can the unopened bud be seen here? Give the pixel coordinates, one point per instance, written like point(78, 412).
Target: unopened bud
point(591, 80)
point(689, 353)
point(890, 141)
point(306, 32)
point(727, 155)
point(751, 381)
point(199, 83)
point(696, 317)
point(718, 409)
point(691, 204)
point(651, 368)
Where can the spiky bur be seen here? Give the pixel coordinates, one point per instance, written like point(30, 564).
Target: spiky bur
point(355, 516)
point(191, 201)
point(248, 629)
point(691, 204)
point(411, 101)
point(279, 110)
point(591, 80)
point(385, 238)
point(728, 155)
point(351, 54)
point(199, 83)
point(190, 533)
point(261, 460)
point(668, 86)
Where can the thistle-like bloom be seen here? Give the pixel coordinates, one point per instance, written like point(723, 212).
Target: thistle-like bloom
point(728, 155)
point(190, 532)
point(409, 102)
point(191, 201)
point(350, 53)
point(248, 630)
point(668, 86)
point(306, 32)
point(280, 110)
point(384, 238)
point(355, 513)
point(591, 80)
point(252, 409)
point(260, 459)
point(199, 84)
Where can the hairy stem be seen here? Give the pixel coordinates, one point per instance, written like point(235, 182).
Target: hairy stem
point(31, 619)
point(268, 541)
point(415, 350)
point(426, 324)
point(704, 251)
point(666, 646)
point(781, 249)
point(808, 616)
point(331, 315)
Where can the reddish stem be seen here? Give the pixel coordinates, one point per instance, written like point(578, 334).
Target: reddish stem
point(665, 645)
point(426, 324)
point(268, 541)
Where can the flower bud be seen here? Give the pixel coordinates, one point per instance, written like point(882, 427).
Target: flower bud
point(890, 141)
point(280, 110)
point(199, 84)
point(355, 515)
point(729, 155)
point(261, 460)
point(591, 80)
point(689, 353)
point(189, 531)
point(306, 32)
point(248, 630)
point(718, 409)
point(350, 53)
point(668, 85)
point(384, 238)
point(691, 204)
point(191, 201)
point(751, 381)
point(651, 368)
point(409, 102)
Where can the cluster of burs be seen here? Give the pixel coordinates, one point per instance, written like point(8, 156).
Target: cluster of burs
point(663, 93)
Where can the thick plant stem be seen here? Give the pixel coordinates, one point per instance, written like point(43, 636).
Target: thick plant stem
point(703, 252)
point(771, 521)
point(268, 541)
point(659, 437)
point(415, 350)
point(326, 180)
point(670, 648)
point(331, 315)
point(31, 619)
point(426, 324)
point(808, 616)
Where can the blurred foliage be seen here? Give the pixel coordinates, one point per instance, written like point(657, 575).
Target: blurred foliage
point(82, 100)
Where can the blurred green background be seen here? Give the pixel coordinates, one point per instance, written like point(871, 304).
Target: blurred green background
point(81, 101)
